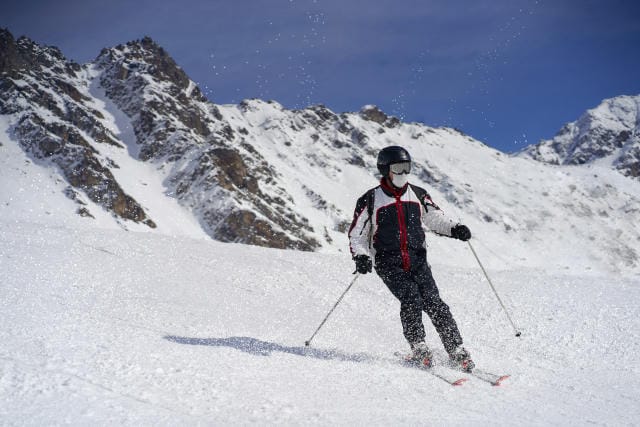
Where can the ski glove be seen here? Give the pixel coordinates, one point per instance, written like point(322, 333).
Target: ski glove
point(461, 232)
point(363, 264)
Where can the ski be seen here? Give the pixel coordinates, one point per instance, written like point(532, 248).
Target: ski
point(491, 378)
point(480, 374)
point(409, 362)
point(488, 377)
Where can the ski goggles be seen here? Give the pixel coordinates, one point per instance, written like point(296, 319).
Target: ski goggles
point(400, 168)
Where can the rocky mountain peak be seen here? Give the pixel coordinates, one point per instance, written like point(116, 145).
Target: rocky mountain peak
point(146, 83)
point(23, 55)
point(52, 116)
point(375, 114)
point(608, 133)
point(146, 57)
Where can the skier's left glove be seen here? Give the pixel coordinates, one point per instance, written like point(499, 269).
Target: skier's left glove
point(363, 264)
point(461, 232)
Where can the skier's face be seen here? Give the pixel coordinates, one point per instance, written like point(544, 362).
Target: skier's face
point(399, 174)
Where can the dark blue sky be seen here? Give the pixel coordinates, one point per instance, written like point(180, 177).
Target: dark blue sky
point(507, 72)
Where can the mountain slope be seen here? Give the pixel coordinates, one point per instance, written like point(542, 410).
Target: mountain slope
point(43, 94)
point(130, 139)
point(608, 134)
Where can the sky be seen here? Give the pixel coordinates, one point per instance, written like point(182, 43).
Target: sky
point(506, 72)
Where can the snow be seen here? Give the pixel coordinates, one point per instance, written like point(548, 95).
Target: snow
point(145, 182)
point(113, 327)
point(107, 321)
point(28, 191)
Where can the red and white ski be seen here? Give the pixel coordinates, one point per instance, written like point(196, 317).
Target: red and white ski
point(443, 372)
point(486, 376)
point(436, 371)
point(493, 379)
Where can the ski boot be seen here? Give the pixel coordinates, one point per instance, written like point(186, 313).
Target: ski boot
point(421, 354)
point(461, 358)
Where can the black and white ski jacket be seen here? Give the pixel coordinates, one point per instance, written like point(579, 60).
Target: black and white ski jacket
point(395, 235)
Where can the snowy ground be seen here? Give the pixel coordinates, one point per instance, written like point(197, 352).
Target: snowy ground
point(114, 327)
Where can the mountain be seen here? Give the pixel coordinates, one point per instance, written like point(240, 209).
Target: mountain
point(53, 120)
point(129, 141)
point(608, 134)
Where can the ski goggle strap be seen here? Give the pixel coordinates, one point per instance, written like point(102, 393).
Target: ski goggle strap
point(400, 168)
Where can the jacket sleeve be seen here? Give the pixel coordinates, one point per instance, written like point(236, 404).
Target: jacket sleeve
point(435, 219)
point(360, 230)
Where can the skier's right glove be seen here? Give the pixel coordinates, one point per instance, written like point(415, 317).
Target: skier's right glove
point(363, 264)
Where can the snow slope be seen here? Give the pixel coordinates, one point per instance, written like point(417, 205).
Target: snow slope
point(104, 326)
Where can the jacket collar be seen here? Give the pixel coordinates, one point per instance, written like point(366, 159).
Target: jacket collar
point(390, 190)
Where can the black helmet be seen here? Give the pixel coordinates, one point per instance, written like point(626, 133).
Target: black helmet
point(391, 155)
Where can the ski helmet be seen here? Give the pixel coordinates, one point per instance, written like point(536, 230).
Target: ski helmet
point(390, 155)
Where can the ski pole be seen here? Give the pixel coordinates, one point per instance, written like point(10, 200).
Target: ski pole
point(518, 333)
point(308, 342)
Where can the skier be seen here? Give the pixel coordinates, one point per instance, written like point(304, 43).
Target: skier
point(388, 228)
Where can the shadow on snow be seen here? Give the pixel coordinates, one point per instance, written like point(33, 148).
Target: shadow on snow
point(264, 348)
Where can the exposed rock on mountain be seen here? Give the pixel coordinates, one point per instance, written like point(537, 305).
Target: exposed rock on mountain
point(52, 121)
point(609, 133)
point(220, 177)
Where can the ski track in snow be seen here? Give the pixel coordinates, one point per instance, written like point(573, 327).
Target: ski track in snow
point(114, 327)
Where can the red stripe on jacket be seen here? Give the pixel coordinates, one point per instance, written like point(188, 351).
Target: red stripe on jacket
point(402, 224)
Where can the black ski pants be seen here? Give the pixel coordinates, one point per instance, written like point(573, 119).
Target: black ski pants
point(417, 291)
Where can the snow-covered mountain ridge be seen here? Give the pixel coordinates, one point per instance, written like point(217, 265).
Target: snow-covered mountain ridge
point(129, 140)
point(608, 134)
